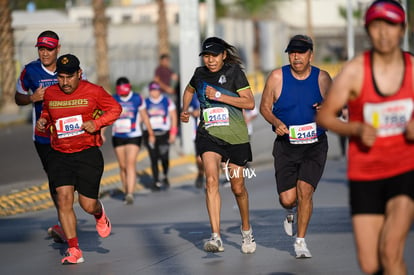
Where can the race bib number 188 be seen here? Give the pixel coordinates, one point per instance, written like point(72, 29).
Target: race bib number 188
point(389, 118)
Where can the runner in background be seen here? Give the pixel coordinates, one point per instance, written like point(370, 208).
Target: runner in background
point(127, 134)
point(35, 77)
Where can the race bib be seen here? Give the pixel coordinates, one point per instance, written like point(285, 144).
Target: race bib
point(389, 118)
point(123, 125)
point(216, 116)
point(303, 134)
point(69, 126)
point(157, 122)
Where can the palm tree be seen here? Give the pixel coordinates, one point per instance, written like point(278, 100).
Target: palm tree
point(7, 63)
point(163, 42)
point(100, 25)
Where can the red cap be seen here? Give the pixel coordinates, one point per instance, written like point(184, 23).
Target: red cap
point(123, 89)
point(388, 10)
point(47, 42)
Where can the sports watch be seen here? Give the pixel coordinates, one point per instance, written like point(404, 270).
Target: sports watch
point(217, 95)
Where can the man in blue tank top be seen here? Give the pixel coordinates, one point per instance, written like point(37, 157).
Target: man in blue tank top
point(291, 97)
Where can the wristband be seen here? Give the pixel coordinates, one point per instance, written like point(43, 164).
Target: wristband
point(173, 131)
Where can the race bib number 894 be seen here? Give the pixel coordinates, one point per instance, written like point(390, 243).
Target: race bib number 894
point(69, 126)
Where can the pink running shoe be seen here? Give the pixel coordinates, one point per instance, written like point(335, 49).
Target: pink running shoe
point(73, 255)
point(103, 225)
point(56, 232)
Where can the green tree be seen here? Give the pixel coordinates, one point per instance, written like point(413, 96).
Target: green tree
point(40, 4)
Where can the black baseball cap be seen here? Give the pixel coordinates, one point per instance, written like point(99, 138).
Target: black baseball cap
point(67, 63)
point(300, 43)
point(212, 45)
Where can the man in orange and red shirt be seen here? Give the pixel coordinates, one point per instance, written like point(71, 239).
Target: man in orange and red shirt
point(75, 161)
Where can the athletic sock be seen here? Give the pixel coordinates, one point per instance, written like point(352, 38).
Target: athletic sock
point(73, 242)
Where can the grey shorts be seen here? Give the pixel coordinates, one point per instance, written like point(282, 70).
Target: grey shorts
point(293, 162)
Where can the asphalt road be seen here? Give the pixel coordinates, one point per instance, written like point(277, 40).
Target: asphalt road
point(163, 232)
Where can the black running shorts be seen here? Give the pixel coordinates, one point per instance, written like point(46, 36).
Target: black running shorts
point(238, 154)
point(42, 151)
point(295, 162)
point(371, 197)
point(82, 169)
point(117, 141)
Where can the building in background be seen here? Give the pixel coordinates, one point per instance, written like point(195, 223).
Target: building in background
point(132, 33)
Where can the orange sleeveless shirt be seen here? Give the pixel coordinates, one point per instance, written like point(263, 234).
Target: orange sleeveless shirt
point(391, 153)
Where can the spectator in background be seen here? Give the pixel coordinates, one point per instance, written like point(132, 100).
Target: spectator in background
point(166, 78)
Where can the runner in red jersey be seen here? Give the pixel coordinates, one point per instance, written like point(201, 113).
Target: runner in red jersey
point(75, 161)
point(377, 86)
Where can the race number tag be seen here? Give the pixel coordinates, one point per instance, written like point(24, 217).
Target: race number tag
point(216, 116)
point(123, 125)
point(69, 126)
point(389, 118)
point(303, 134)
point(157, 122)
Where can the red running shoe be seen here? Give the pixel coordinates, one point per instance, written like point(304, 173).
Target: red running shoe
point(56, 232)
point(103, 225)
point(73, 255)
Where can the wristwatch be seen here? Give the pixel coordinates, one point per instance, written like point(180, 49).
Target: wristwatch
point(217, 95)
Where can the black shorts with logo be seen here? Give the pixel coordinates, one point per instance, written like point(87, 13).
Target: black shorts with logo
point(82, 169)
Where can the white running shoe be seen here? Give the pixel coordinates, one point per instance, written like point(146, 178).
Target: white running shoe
point(129, 199)
point(214, 244)
point(289, 223)
point(248, 244)
point(301, 250)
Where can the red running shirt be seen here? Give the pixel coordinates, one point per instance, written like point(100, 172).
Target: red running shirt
point(391, 153)
point(65, 114)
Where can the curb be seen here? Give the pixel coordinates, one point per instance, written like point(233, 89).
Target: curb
point(36, 198)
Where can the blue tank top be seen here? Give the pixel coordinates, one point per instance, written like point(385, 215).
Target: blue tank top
point(295, 103)
point(158, 113)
